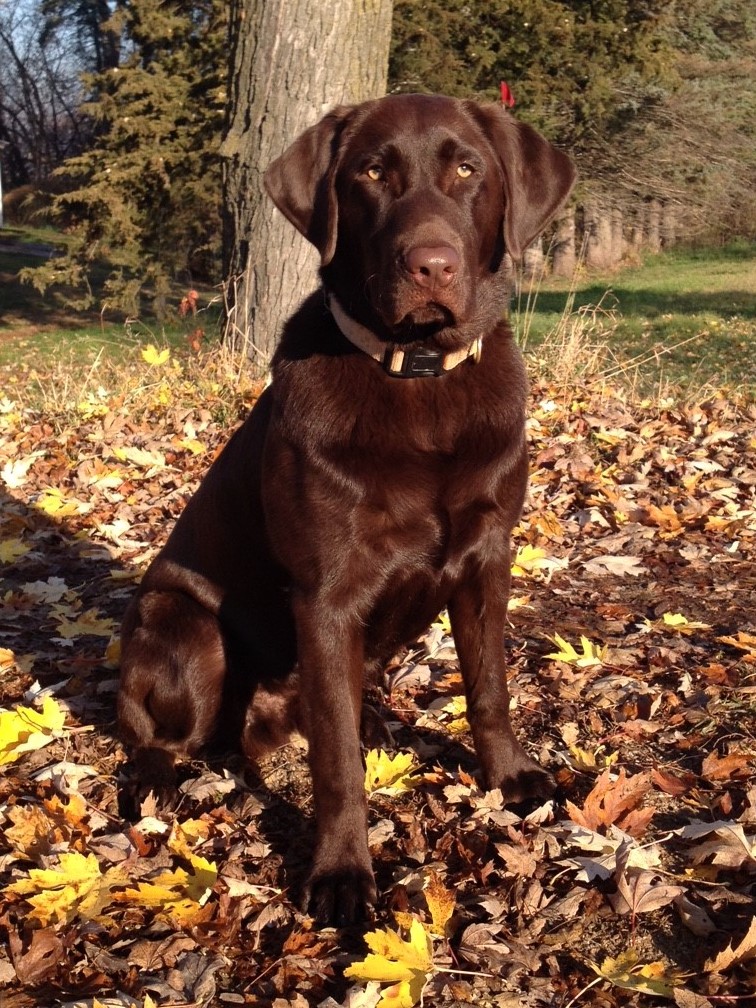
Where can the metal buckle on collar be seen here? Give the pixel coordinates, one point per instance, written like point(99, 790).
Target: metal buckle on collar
point(419, 363)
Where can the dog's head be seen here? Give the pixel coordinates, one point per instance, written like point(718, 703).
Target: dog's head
point(412, 201)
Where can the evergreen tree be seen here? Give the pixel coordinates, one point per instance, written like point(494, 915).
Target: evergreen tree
point(579, 71)
point(146, 196)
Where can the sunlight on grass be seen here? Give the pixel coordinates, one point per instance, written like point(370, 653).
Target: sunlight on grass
point(686, 319)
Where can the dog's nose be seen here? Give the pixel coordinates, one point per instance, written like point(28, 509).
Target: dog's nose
point(432, 266)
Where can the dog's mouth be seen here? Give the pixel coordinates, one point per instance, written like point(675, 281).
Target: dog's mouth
point(424, 322)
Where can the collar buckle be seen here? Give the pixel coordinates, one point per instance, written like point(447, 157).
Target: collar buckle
point(422, 362)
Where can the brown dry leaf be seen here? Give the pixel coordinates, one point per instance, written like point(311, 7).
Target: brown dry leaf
point(31, 833)
point(40, 959)
point(676, 784)
point(744, 951)
point(641, 892)
point(614, 802)
point(687, 999)
point(694, 917)
point(725, 768)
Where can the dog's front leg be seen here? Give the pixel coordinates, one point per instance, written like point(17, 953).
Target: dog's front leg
point(478, 615)
point(341, 888)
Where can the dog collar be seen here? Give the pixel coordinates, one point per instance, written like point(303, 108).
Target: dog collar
point(422, 362)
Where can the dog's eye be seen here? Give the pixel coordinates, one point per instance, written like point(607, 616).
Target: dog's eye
point(465, 170)
point(374, 173)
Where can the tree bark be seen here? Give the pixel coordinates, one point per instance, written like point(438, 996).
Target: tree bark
point(598, 235)
point(669, 224)
point(564, 256)
point(653, 226)
point(290, 61)
point(618, 236)
point(534, 259)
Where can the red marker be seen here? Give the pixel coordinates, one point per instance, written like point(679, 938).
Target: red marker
point(507, 98)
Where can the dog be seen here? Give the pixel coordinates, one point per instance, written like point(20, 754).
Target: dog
point(375, 482)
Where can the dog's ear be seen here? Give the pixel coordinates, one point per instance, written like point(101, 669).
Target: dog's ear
point(538, 177)
point(301, 182)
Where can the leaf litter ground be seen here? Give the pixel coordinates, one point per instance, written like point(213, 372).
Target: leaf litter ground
point(632, 651)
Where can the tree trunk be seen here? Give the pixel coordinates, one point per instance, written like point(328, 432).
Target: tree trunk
point(533, 259)
point(618, 236)
point(669, 225)
point(636, 230)
point(564, 257)
point(653, 226)
point(291, 60)
point(598, 235)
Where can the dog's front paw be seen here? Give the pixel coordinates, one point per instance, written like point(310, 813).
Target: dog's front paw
point(340, 898)
point(531, 785)
point(524, 781)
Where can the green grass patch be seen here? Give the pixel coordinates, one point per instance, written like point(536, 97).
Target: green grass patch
point(47, 329)
point(685, 318)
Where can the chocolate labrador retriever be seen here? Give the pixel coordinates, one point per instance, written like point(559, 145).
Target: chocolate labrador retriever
point(375, 482)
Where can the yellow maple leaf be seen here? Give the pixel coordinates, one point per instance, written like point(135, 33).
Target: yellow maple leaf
point(441, 902)
point(24, 728)
point(532, 561)
point(94, 405)
point(389, 775)
point(12, 549)
point(72, 812)
point(404, 964)
point(588, 761)
point(147, 1003)
point(443, 622)
point(140, 457)
point(100, 476)
point(627, 972)
point(54, 502)
point(456, 710)
point(154, 357)
point(178, 894)
point(184, 835)
point(85, 623)
point(683, 625)
point(192, 445)
point(593, 654)
point(77, 887)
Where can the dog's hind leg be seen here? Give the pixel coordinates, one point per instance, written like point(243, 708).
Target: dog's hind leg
point(173, 666)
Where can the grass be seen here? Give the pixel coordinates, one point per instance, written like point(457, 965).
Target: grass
point(50, 324)
point(684, 318)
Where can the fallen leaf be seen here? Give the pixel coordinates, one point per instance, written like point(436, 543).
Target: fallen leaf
point(620, 566)
point(592, 656)
point(24, 728)
point(744, 951)
point(628, 973)
point(389, 775)
point(614, 802)
point(76, 887)
point(532, 561)
point(726, 768)
point(154, 357)
point(405, 964)
point(641, 892)
point(441, 902)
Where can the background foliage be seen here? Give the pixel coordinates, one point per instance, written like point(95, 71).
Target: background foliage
point(654, 100)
